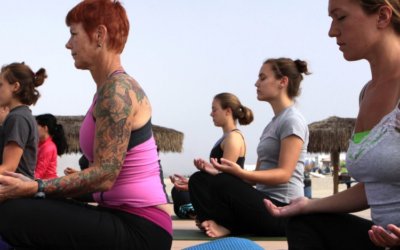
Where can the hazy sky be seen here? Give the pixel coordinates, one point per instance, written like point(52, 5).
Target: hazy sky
point(183, 53)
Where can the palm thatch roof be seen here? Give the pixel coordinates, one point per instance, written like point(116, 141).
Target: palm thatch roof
point(330, 134)
point(167, 140)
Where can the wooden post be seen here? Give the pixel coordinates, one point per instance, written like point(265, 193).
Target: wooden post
point(335, 164)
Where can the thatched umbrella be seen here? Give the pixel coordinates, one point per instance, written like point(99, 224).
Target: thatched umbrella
point(167, 140)
point(332, 136)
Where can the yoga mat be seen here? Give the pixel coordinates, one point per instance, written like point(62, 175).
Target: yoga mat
point(195, 234)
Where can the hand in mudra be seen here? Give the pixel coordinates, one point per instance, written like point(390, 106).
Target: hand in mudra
point(205, 166)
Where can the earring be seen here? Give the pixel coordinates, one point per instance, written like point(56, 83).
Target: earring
point(99, 45)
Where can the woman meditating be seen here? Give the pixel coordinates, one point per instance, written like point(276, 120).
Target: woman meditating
point(52, 142)
point(19, 134)
point(226, 111)
point(116, 136)
point(236, 207)
point(18, 130)
point(370, 30)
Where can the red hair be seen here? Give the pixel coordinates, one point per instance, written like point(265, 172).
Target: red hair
point(110, 13)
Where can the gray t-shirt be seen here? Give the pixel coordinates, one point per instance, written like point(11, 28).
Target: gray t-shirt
point(21, 127)
point(288, 122)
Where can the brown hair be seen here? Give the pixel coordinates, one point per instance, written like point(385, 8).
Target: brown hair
point(239, 112)
point(372, 6)
point(27, 79)
point(293, 70)
point(110, 13)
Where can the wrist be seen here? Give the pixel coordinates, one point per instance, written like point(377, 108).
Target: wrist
point(32, 188)
point(308, 207)
point(242, 174)
point(40, 192)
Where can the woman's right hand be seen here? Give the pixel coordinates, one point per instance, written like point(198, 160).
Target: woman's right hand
point(295, 207)
point(69, 171)
point(204, 166)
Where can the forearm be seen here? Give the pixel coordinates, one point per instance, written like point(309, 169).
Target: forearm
point(7, 168)
point(91, 180)
point(351, 200)
point(266, 177)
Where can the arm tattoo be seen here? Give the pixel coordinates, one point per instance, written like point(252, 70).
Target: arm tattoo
point(113, 112)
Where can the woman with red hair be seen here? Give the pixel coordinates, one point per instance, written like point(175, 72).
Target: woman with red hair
point(116, 137)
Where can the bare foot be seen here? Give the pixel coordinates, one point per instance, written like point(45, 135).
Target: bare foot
point(214, 230)
point(198, 224)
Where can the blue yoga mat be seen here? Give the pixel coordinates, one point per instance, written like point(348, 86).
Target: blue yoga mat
point(230, 243)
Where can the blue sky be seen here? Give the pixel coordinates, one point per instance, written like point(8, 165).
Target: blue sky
point(185, 52)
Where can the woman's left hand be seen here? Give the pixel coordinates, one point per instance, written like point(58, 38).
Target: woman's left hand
point(180, 182)
point(16, 186)
point(380, 237)
point(227, 166)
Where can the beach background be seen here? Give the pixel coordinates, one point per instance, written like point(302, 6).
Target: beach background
point(183, 54)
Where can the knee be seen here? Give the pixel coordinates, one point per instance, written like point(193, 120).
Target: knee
point(222, 181)
point(197, 178)
point(174, 192)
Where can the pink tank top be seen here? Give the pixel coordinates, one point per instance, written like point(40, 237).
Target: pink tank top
point(139, 185)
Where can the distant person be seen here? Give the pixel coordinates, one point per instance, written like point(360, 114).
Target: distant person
point(226, 112)
point(52, 142)
point(235, 207)
point(19, 135)
point(83, 164)
point(367, 30)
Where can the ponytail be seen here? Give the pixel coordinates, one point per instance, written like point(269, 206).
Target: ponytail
point(56, 131)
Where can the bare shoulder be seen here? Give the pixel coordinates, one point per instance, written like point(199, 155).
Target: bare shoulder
point(235, 137)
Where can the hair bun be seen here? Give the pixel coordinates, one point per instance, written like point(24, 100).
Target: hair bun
point(40, 75)
point(302, 66)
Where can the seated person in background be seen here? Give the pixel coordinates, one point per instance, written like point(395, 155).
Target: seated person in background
point(234, 206)
point(83, 164)
point(226, 111)
point(182, 206)
point(52, 142)
point(19, 135)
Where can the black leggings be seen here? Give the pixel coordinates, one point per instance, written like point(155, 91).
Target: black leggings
point(182, 204)
point(233, 204)
point(69, 224)
point(330, 232)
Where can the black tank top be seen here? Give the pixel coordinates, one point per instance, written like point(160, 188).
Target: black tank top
point(217, 151)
